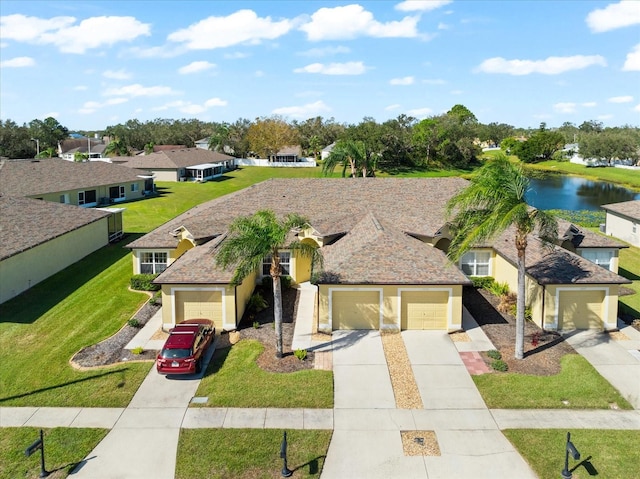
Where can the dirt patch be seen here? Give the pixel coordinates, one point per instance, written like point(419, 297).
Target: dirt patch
point(543, 350)
point(420, 443)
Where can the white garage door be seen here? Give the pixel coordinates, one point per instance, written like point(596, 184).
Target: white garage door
point(424, 309)
point(355, 309)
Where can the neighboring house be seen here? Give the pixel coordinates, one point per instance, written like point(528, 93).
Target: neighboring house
point(40, 238)
point(185, 164)
point(288, 154)
point(384, 243)
point(94, 148)
point(84, 184)
point(326, 151)
point(623, 221)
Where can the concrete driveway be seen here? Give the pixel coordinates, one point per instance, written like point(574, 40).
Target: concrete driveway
point(366, 442)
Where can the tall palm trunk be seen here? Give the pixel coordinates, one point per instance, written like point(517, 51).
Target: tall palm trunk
point(521, 245)
point(277, 314)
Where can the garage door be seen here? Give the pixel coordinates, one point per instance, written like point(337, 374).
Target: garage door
point(424, 309)
point(580, 310)
point(199, 304)
point(355, 309)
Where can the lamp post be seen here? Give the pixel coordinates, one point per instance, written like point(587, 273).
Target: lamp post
point(286, 472)
point(37, 146)
point(569, 449)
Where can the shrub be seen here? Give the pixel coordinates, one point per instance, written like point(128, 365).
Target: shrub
point(301, 354)
point(528, 315)
point(507, 302)
point(499, 289)
point(144, 282)
point(499, 365)
point(257, 303)
point(156, 298)
point(285, 282)
point(494, 354)
point(138, 350)
point(134, 323)
point(256, 325)
point(267, 283)
point(482, 282)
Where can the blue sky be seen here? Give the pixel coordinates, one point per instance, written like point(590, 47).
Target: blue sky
point(91, 64)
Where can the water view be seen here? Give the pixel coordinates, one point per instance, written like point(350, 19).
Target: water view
point(574, 193)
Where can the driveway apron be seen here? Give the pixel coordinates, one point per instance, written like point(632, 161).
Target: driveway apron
point(144, 441)
point(366, 441)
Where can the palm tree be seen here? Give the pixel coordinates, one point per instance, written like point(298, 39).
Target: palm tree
point(250, 240)
point(493, 202)
point(350, 154)
point(116, 147)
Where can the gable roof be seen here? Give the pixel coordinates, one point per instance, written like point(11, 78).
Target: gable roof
point(584, 238)
point(173, 159)
point(630, 209)
point(27, 223)
point(52, 175)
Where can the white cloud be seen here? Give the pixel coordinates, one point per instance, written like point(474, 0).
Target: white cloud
point(211, 102)
point(243, 26)
point(195, 67)
point(421, 5)
point(353, 21)
point(621, 99)
point(637, 107)
point(93, 32)
point(402, 81)
point(138, 90)
point(52, 114)
point(349, 68)
point(613, 16)
point(117, 75)
point(191, 108)
point(309, 110)
point(81, 88)
point(156, 52)
point(604, 117)
point(549, 66)
point(443, 26)
point(589, 104)
point(395, 106)
point(420, 112)
point(259, 74)
point(632, 63)
point(235, 56)
point(324, 52)
point(18, 62)
point(565, 107)
point(92, 106)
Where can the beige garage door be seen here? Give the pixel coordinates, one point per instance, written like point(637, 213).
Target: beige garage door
point(199, 304)
point(355, 309)
point(580, 310)
point(424, 309)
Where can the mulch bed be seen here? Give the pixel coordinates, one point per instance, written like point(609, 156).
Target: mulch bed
point(542, 359)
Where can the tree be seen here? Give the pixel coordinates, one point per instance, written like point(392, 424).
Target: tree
point(15, 140)
point(116, 147)
point(540, 146)
point(267, 136)
point(610, 144)
point(492, 203)
point(350, 154)
point(220, 138)
point(251, 239)
point(48, 131)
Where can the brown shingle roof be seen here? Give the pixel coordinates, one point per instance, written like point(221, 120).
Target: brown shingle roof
point(173, 159)
point(630, 209)
point(584, 238)
point(27, 223)
point(52, 175)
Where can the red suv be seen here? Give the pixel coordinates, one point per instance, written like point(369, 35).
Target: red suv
point(182, 352)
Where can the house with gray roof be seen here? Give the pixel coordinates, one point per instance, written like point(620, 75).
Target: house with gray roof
point(182, 164)
point(384, 244)
point(623, 221)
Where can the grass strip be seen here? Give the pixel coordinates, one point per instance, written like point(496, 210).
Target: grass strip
point(64, 449)
point(233, 379)
point(249, 453)
point(577, 386)
point(604, 453)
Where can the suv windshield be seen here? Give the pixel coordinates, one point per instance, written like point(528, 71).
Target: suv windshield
point(175, 353)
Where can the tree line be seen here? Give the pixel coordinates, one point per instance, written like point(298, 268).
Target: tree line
point(449, 140)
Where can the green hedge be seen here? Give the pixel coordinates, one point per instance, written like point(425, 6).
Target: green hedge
point(144, 282)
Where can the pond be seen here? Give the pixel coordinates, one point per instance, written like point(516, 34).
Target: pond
point(574, 193)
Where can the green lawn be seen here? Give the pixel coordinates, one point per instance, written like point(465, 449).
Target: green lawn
point(578, 384)
point(249, 453)
point(64, 448)
point(233, 379)
point(42, 329)
point(604, 453)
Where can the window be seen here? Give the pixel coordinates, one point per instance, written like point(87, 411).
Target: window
point(64, 198)
point(135, 187)
point(87, 197)
point(476, 263)
point(601, 257)
point(116, 192)
point(285, 264)
point(152, 262)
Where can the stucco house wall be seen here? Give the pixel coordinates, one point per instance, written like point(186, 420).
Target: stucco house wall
point(624, 228)
point(22, 271)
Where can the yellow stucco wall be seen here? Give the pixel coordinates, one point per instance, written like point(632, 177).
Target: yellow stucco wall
point(165, 175)
point(390, 303)
point(101, 192)
point(18, 273)
point(243, 293)
point(301, 268)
